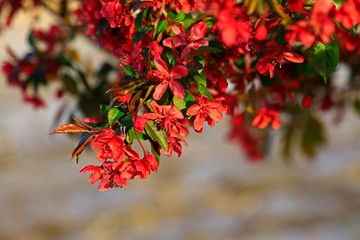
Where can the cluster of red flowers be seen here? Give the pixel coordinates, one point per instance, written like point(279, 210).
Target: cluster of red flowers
point(38, 67)
point(188, 62)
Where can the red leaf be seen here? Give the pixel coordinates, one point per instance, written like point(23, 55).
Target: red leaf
point(70, 128)
point(85, 125)
point(81, 147)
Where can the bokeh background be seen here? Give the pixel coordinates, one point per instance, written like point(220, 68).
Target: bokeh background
point(211, 192)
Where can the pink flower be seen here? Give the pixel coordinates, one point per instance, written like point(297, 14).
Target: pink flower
point(167, 78)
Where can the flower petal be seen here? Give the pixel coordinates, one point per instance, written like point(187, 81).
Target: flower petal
point(177, 89)
point(215, 115)
point(193, 110)
point(160, 89)
point(293, 57)
point(178, 72)
point(178, 42)
point(199, 122)
point(161, 65)
point(195, 45)
point(177, 29)
point(198, 31)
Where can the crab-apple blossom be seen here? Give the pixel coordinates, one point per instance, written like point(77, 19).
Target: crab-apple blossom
point(207, 110)
point(168, 78)
point(265, 117)
point(177, 64)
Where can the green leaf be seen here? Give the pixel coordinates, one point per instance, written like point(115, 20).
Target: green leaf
point(70, 84)
point(155, 149)
point(104, 109)
point(114, 114)
point(182, 104)
point(180, 16)
point(357, 106)
point(158, 134)
point(139, 20)
point(324, 58)
point(200, 51)
point(188, 22)
point(340, 2)
point(126, 86)
point(312, 136)
point(162, 25)
point(204, 91)
point(200, 81)
point(351, 31)
point(105, 69)
point(31, 40)
point(129, 70)
point(126, 121)
point(211, 48)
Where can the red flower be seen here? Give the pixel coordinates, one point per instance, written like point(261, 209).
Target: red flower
point(318, 27)
point(234, 25)
point(167, 78)
point(131, 55)
point(276, 55)
point(265, 117)
point(114, 12)
point(139, 123)
point(97, 173)
point(192, 40)
point(296, 5)
point(307, 101)
point(174, 145)
point(155, 49)
point(35, 101)
point(111, 146)
point(349, 14)
point(205, 110)
point(168, 117)
point(139, 167)
point(123, 98)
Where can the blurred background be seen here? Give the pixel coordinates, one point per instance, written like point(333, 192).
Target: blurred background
point(211, 192)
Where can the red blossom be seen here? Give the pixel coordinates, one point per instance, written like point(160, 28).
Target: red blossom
point(174, 145)
point(296, 5)
point(276, 55)
point(307, 101)
point(139, 123)
point(207, 110)
point(265, 117)
point(138, 167)
point(349, 14)
point(167, 78)
point(234, 25)
point(111, 146)
point(318, 27)
point(192, 40)
point(116, 14)
point(169, 119)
